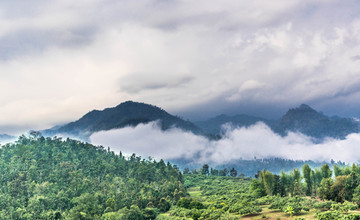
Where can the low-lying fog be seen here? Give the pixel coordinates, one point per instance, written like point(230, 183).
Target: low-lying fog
point(239, 143)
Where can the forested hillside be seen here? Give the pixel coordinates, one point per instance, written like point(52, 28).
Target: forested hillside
point(51, 178)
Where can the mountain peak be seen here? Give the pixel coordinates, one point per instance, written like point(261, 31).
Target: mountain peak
point(305, 106)
point(308, 121)
point(303, 109)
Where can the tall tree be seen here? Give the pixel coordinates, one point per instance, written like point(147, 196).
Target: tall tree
point(326, 171)
point(307, 176)
point(205, 169)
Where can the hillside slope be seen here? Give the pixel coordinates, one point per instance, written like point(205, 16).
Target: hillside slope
point(51, 178)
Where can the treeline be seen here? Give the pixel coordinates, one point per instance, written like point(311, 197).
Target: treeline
point(250, 167)
point(341, 184)
point(213, 171)
point(51, 178)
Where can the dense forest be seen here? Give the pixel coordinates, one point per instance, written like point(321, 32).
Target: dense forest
point(51, 178)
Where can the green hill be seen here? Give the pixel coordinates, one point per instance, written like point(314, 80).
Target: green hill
point(51, 178)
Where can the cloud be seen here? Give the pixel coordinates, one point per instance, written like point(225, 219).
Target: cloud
point(240, 143)
point(245, 91)
point(62, 58)
point(137, 82)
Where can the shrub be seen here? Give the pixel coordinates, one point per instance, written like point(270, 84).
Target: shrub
point(330, 215)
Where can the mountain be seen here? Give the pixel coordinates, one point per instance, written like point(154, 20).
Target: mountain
point(6, 138)
point(126, 114)
point(308, 121)
point(214, 125)
point(303, 119)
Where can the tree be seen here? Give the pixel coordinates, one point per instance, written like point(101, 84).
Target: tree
point(223, 172)
point(338, 189)
point(205, 169)
point(338, 171)
point(214, 172)
point(257, 188)
point(325, 188)
point(233, 172)
point(326, 171)
point(307, 176)
point(268, 180)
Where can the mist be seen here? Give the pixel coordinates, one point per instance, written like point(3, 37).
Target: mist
point(237, 143)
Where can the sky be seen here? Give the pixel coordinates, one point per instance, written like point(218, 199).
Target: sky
point(59, 59)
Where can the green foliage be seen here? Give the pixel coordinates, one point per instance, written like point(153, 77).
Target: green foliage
point(325, 188)
point(218, 198)
point(296, 204)
point(278, 203)
point(352, 217)
point(307, 176)
point(324, 205)
point(330, 215)
point(289, 210)
point(190, 203)
point(344, 207)
point(51, 178)
point(257, 188)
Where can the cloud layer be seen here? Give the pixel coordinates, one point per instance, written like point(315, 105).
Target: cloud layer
point(60, 59)
point(241, 143)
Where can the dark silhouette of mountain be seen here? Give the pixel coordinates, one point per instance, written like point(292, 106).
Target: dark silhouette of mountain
point(126, 114)
point(308, 121)
point(214, 125)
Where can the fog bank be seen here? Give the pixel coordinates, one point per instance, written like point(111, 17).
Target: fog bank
point(240, 143)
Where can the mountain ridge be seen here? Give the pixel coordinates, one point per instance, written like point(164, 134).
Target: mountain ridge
point(307, 120)
point(303, 119)
point(128, 113)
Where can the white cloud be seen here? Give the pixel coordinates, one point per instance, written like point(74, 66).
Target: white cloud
point(63, 58)
point(241, 143)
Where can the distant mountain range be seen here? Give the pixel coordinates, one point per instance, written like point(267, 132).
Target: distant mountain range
point(302, 119)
